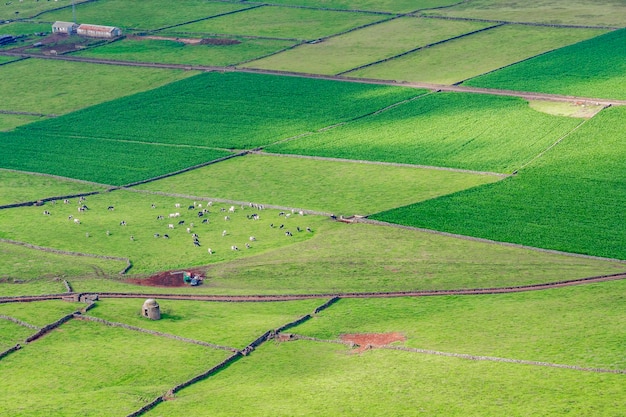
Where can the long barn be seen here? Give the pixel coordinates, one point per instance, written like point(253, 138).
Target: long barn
point(99, 31)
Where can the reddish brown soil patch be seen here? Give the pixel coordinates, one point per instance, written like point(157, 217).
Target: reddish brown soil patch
point(166, 278)
point(366, 341)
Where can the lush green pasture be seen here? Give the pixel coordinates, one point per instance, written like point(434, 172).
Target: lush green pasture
point(227, 110)
point(148, 253)
point(226, 324)
point(90, 369)
point(172, 52)
point(592, 68)
point(24, 28)
point(11, 121)
point(583, 325)
point(309, 379)
point(98, 160)
point(391, 6)
point(283, 23)
point(6, 59)
point(29, 8)
point(570, 199)
point(12, 333)
point(337, 187)
point(144, 15)
point(342, 53)
point(16, 187)
point(43, 85)
point(564, 12)
point(29, 271)
point(457, 130)
point(40, 313)
point(475, 54)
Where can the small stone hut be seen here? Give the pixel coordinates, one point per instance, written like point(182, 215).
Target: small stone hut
point(151, 309)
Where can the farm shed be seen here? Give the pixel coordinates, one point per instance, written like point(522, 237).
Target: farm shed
point(98, 31)
point(151, 309)
point(64, 27)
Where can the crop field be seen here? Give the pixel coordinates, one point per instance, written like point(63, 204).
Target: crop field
point(342, 188)
point(170, 51)
point(588, 163)
point(282, 23)
point(43, 86)
point(348, 51)
point(554, 12)
point(140, 15)
point(456, 130)
point(369, 242)
point(502, 45)
point(237, 111)
point(592, 68)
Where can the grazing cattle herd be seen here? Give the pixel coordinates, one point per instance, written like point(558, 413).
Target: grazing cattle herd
point(199, 212)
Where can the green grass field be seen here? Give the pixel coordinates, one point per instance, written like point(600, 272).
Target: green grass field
point(563, 12)
point(342, 188)
point(40, 313)
point(282, 23)
point(353, 49)
point(456, 130)
point(42, 86)
point(475, 54)
point(24, 28)
point(11, 121)
point(592, 68)
point(572, 198)
point(12, 333)
point(143, 16)
point(172, 52)
point(28, 8)
point(390, 6)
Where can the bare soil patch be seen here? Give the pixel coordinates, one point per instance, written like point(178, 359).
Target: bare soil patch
point(166, 278)
point(366, 341)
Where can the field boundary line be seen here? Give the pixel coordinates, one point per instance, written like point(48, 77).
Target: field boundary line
point(64, 252)
point(394, 164)
point(20, 322)
point(483, 240)
point(510, 22)
point(26, 113)
point(153, 332)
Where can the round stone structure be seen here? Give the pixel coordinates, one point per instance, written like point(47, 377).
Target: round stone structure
point(151, 309)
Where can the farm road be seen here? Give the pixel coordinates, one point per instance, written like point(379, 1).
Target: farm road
point(428, 86)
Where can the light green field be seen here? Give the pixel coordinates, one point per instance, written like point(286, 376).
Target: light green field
point(457, 130)
point(564, 12)
point(402, 6)
point(42, 86)
point(577, 325)
point(24, 28)
point(342, 188)
point(282, 22)
point(143, 15)
point(309, 379)
point(353, 49)
point(11, 121)
point(90, 369)
point(17, 187)
point(40, 313)
point(12, 333)
point(226, 324)
point(172, 52)
point(477, 54)
point(30, 8)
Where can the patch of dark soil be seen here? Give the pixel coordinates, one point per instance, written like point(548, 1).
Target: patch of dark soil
point(167, 278)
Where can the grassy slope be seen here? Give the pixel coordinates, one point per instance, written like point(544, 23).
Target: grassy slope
point(399, 6)
point(172, 52)
point(43, 86)
point(592, 68)
point(342, 188)
point(353, 49)
point(40, 313)
point(12, 333)
point(29, 8)
point(11, 121)
point(309, 379)
point(475, 54)
point(468, 131)
point(571, 199)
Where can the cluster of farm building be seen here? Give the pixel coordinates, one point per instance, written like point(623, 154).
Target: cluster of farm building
point(93, 31)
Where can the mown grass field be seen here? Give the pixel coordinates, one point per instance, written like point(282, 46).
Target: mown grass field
point(40, 313)
point(141, 15)
point(592, 68)
point(11, 121)
point(572, 197)
point(342, 188)
point(173, 52)
point(390, 6)
point(43, 86)
point(456, 130)
point(309, 378)
point(564, 12)
point(282, 23)
point(70, 388)
point(23, 28)
point(348, 51)
point(502, 45)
